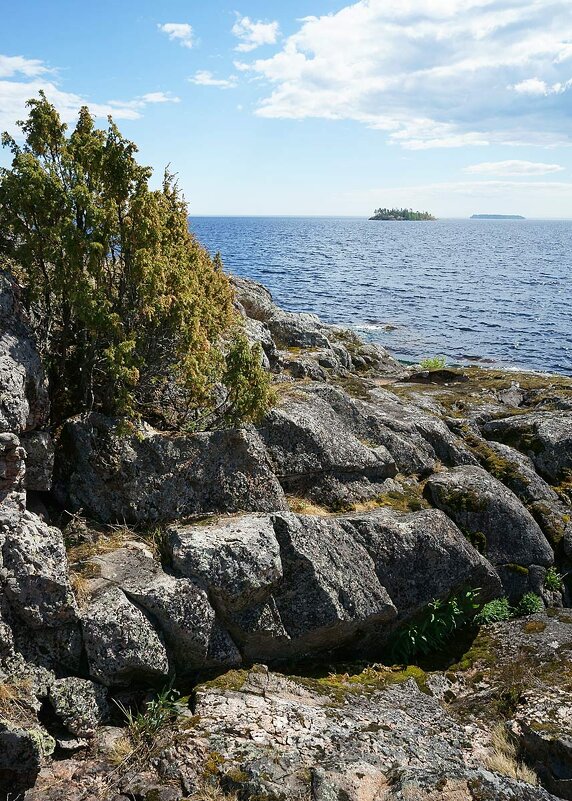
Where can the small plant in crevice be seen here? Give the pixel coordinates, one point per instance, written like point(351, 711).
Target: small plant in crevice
point(145, 726)
point(15, 699)
point(529, 604)
point(158, 541)
point(494, 612)
point(504, 758)
point(431, 629)
point(553, 580)
point(433, 363)
point(499, 609)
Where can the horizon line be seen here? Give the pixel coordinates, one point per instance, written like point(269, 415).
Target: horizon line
point(363, 217)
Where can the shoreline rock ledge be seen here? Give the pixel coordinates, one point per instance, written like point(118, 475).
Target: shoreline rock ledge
point(264, 572)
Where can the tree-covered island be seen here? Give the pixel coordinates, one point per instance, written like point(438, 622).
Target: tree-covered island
point(401, 214)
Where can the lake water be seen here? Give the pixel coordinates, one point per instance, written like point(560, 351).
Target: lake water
point(475, 291)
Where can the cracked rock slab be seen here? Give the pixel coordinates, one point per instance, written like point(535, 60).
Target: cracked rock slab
point(179, 609)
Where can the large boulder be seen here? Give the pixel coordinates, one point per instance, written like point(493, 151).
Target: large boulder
point(546, 437)
point(290, 586)
point(330, 594)
point(415, 438)
point(491, 516)
point(121, 643)
point(422, 544)
point(20, 760)
point(149, 476)
point(80, 705)
point(181, 610)
point(516, 470)
point(36, 580)
point(409, 418)
point(236, 560)
point(284, 586)
point(254, 298)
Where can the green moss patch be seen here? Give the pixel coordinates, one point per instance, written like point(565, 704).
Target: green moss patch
point(376, 677)
point(520, 569)
point(482, 653)
point(233, 680)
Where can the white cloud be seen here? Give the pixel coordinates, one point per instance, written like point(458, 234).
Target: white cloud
point(206, 78)
point(531, 86)
point(160, 97)
point(534, 86)
point(18, 65)
point(513, 167)
point(26, 81)
point(430, 73)
point(254, 34)
point(144, 100)
point(180, 32)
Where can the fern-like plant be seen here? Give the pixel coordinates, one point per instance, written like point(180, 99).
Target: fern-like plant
point(431, 629)
point(530, 604)
point(494, 612)
point(553, 580)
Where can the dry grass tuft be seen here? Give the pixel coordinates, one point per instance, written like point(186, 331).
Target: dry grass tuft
point(302, 506)
point(80, 586)
point(112, 537)
point(103, 543)
point(211, 791)
point(504, 760)
point(122, 750)
point(14, 700)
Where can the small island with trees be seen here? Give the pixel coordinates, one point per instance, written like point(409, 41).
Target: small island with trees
point(497, 217)
point(401, 214)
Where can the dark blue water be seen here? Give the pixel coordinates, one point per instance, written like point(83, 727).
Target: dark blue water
point(475, 291)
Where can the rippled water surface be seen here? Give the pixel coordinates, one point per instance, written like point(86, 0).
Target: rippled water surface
point(497, 291)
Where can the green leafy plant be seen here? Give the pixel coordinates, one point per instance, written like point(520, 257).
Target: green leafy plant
point(132, 316)
point(431, 629)
point(433, 363)
point(553, 580)
point(494, 611)
point(529, 604)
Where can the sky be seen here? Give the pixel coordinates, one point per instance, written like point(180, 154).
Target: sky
point(316, 107)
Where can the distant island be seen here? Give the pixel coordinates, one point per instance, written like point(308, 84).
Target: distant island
point(497, 217)
point(401, 214)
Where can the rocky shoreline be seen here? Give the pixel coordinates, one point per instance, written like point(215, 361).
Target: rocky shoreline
point(265, 570)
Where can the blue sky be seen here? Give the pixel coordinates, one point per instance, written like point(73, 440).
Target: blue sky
point(317, 107)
